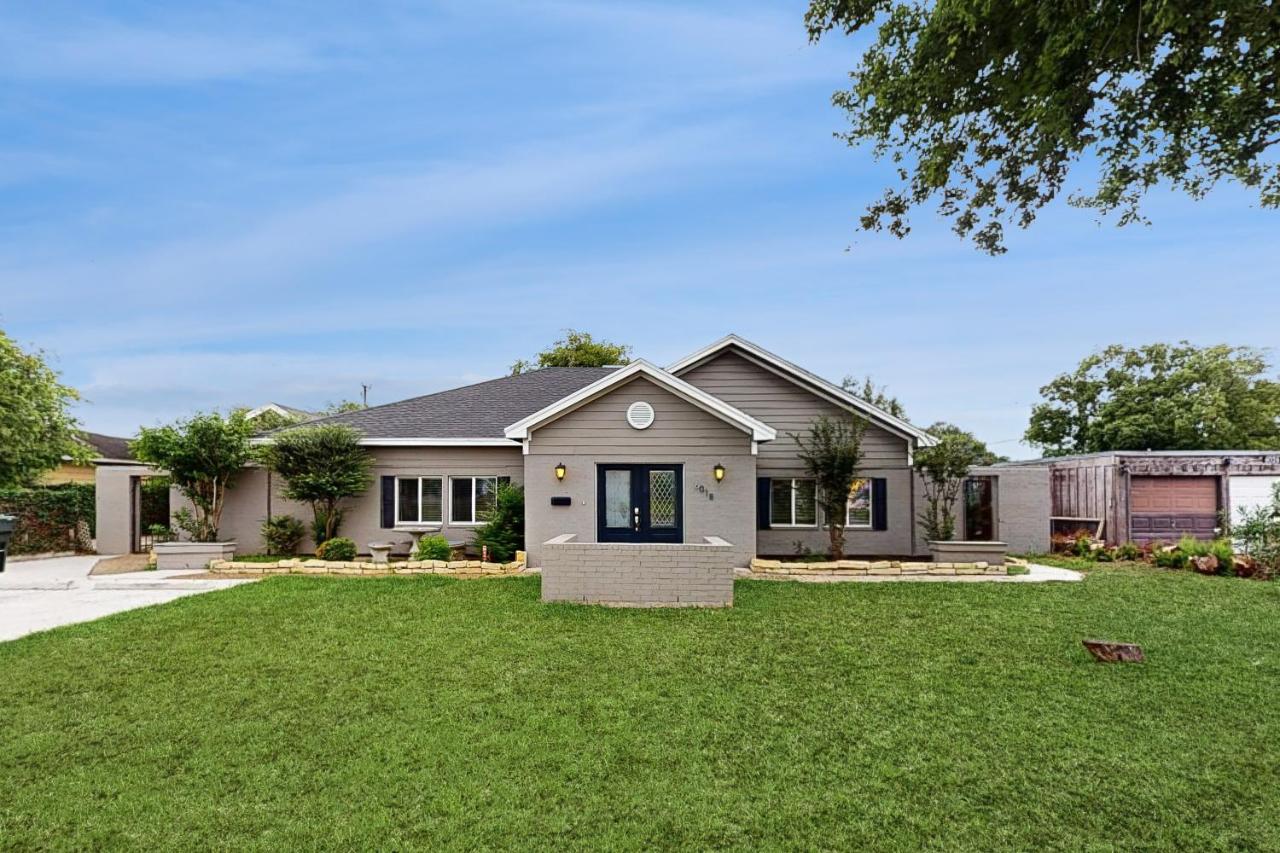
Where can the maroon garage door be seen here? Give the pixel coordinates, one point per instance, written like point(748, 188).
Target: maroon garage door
point(1165, 509)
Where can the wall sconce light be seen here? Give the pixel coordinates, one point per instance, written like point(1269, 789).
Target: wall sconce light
point(718, 471)
point(561, 471)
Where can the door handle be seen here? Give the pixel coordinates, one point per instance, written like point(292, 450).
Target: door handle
point(636, 517)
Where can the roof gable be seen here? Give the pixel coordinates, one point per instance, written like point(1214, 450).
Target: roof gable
point(809, 381)
point(758, 430)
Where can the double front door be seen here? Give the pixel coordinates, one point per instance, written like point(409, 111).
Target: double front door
point(640, 503)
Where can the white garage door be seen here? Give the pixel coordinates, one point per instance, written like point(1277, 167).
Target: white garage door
point(1250, 493)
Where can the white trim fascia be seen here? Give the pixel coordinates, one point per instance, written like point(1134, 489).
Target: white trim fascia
point(759, 430)
point(794, 372)
point(416, 442)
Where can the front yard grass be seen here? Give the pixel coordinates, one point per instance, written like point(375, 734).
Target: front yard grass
point(430, 712)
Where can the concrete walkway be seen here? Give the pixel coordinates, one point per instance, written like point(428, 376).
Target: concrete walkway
point(36, 595)
point(1036, 574)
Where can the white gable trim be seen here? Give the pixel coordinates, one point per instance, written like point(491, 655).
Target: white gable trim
point(412, 442)
point(804, 378)
point(758, 430)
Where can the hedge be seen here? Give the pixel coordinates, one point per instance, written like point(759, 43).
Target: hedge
point(50, 518)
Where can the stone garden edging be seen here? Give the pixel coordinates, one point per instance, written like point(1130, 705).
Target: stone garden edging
point(364, 567)
point(878, 567)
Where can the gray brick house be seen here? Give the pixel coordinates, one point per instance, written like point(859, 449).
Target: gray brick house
point(696, 455)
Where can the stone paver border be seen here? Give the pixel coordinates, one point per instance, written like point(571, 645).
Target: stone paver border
point(457, 568)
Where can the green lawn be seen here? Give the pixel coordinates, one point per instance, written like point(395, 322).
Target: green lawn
point(430, 712)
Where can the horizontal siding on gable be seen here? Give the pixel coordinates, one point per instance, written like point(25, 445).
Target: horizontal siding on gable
point(786, 407)
point(600, 427)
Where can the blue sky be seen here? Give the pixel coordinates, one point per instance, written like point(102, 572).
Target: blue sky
point(210, 205)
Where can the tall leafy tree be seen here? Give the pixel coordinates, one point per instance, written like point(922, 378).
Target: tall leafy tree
point(831, 452)
point(1160, 397)
point(985, 107)
point(36, 427)
point(877, 395)
point(202, 456)
point(322, 466)
point(576, 349)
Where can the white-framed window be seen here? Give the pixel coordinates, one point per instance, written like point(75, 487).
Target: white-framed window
point(857, 513)
point(471, 499)
point(793, 502)
point(419, 500)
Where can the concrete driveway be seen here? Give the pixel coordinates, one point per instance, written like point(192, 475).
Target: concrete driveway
point(36, 595)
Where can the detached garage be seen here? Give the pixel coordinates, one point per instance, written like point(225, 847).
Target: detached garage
point(1155, 496)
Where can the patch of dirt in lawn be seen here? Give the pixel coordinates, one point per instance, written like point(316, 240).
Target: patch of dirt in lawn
point(120, 565)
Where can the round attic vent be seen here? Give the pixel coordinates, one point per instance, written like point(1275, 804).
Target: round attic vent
point(640, 415)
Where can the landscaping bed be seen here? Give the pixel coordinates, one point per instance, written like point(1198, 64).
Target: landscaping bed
point(422, 712)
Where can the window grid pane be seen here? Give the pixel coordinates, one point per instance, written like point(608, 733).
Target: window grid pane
point(460, 491)
point(859, 509)
point(432, 502)
point(486, 491)
point(780, 502)
point(407, 489)
point(806, 502)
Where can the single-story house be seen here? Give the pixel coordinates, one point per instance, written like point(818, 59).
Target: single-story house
point(692, 464)
point(1149, 496)
point(103, 449)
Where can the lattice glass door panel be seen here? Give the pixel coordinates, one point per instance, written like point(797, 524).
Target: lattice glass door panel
point(617, 498)
point(662, 498)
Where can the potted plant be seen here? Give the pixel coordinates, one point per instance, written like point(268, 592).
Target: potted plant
point(202, 456)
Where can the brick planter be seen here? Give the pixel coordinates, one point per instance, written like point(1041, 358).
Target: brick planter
point(888, 568)
point(969, 552)
point(191, 555)
point(638, 575)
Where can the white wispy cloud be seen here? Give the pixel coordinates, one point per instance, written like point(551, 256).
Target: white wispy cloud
point(107, 52)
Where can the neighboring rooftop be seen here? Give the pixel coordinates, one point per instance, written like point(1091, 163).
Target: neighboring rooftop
point(1103, 454)
point(481, 410)
point(280, 409)
point(108, 446)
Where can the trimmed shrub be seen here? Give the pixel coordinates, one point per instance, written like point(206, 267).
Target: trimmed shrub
point(50, 518)
point(338, 549)
point(433, 548)
point(1129, 551)
point(282, 534)
point(503, 532)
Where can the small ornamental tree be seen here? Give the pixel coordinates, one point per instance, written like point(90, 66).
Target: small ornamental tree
point(36, 430)
point(322, 466)
point(943, 468)
point(503, 531)
point(202, 456)
point(831, 452)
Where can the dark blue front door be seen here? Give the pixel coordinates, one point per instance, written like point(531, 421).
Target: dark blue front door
point(640, 503)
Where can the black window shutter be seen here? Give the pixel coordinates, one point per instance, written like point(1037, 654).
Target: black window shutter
point(388, 502)
point(764, 488)
point(879, 504)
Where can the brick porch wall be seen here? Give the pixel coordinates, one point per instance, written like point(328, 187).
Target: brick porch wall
point(639, 575)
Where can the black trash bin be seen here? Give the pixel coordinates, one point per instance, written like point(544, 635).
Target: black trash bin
point(7, 523)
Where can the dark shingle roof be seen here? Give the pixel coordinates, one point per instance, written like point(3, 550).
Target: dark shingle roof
point(108, 446)
point(482, 410)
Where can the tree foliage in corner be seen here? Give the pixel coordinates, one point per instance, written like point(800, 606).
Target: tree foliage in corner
point(576, 349)
point(986, 106)
point(831, 453)
point(877, 395)
point(1160, 397)
point(322, 466)
point(943, 469)
point(202, 456)
point(36, 430)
